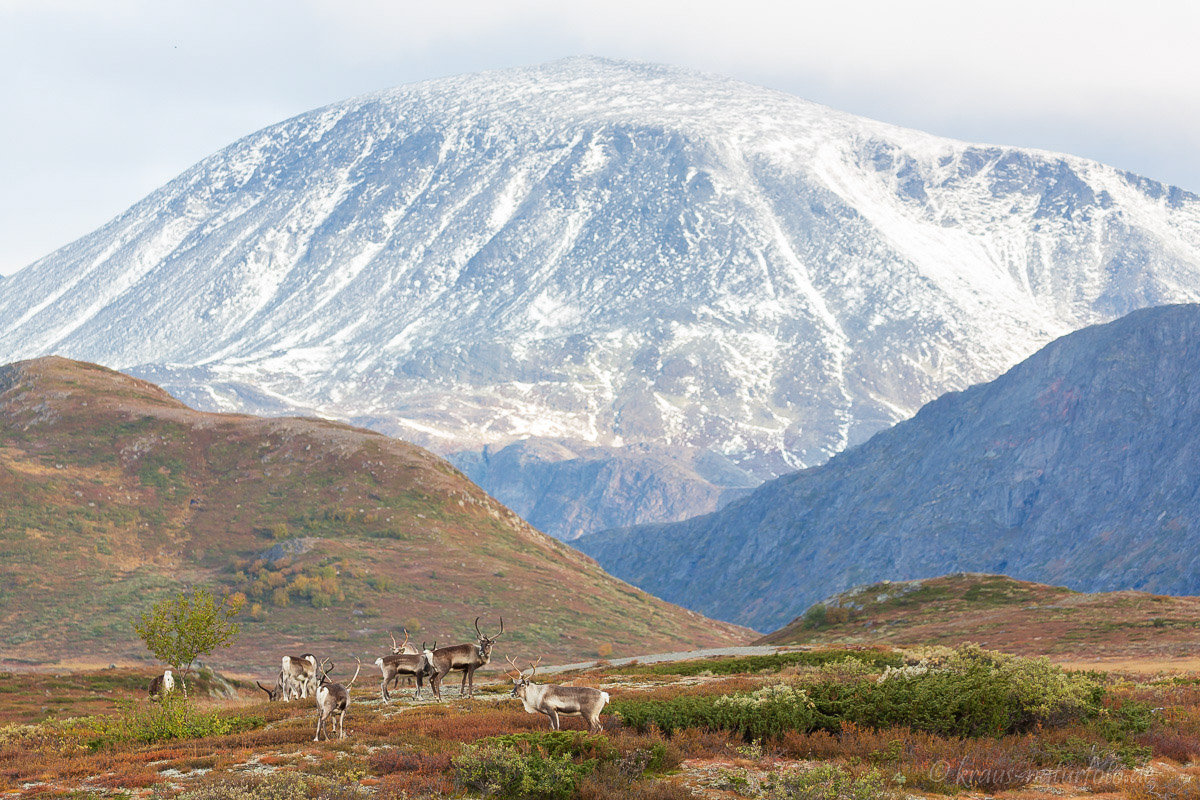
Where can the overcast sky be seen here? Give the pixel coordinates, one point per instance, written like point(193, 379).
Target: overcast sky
point(103, 101)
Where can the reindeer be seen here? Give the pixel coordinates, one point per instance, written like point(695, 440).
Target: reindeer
point(465, 657)
point(298, 674)
point(400, 665)
point(161, 685)
point(277, 692)
point(333, 698)
point(402, 649)
point(554, 700)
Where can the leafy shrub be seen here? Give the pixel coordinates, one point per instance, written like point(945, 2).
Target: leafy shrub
point(773, 662)
point(507, 772)
point(766, 713)
point(828, 782)
point(173, 718)
point(573, 744)
point(976, 693)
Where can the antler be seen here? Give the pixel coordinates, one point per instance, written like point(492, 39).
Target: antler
point(405, 638)
point(326, 671)
point(534, 665)
point(520, 674)
point(497, 636)
point(477, 628)
point(395, 647)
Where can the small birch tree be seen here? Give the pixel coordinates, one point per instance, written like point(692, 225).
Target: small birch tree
point(180, 629)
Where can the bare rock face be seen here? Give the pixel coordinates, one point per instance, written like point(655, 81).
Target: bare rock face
point(1079, 467)
point(606, 254)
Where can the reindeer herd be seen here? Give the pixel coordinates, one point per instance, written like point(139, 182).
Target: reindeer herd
point(302, 676)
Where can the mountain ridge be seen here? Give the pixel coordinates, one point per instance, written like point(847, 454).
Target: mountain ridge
point(1076, 467)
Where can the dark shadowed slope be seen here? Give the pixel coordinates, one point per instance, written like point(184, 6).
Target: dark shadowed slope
point(1080, 467)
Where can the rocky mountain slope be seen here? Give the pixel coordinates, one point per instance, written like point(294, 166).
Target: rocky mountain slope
point(1002, 613)
point(1078, 467)
point(604, 254)
point(569, 491)
point(113, 494)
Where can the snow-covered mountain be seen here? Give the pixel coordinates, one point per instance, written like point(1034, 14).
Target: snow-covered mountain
point(608, 253)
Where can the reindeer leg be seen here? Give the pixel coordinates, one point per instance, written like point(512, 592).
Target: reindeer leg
point(555, 723)
point(342, 725)
point(463, 688)
point(384, 692)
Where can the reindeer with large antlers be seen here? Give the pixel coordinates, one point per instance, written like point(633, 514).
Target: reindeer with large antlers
point(333, 698)
point(554, 700)
point(465, 657)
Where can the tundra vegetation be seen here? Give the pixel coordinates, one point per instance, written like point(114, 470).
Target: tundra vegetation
point(827, 724)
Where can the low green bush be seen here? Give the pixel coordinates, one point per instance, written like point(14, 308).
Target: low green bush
point(973, 693)
point(173, 718)
point(766, 713)
point(513, 773)
point(575, 744)
point(773, 662)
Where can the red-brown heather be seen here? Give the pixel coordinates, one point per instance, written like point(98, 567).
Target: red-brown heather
point(114, 494)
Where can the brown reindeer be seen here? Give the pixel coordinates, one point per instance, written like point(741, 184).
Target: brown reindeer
point(404, 648)
point(404, 665)
point(465, 657)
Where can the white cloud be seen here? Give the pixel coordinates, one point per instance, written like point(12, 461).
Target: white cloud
point(104, 101)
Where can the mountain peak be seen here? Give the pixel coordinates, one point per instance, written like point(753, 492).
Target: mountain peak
point(605, 253)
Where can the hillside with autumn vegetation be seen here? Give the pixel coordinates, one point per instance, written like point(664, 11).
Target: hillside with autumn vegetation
point(114, 494)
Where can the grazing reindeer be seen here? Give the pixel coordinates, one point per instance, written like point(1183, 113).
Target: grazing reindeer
point(555, 700)
point(277, 692)
point(299, 673)
point(161, 685)
point(465, 657)
point(404, 665)
point(333, 698)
